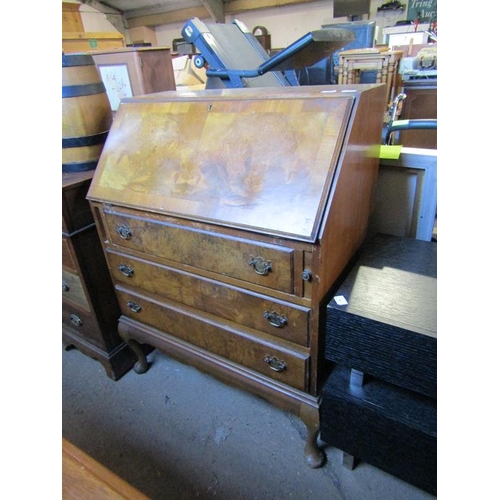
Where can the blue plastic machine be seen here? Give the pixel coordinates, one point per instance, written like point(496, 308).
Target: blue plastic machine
point(234, 58)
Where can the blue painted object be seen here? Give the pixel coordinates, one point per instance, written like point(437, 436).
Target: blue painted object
point(323, 72)
point(234, 58)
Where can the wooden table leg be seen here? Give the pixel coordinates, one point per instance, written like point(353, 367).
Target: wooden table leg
point(342, 76)
point(350, 73)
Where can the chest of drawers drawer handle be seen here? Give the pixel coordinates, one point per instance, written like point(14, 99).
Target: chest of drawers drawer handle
point(275, 364)
point(65, 287)
point(134, 306)
point(275, 319)
point(124, 231)
point(260, 265)
point(126, 270)
point(306, 275)
point(75, 320)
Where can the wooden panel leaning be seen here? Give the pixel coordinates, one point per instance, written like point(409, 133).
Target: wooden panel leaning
point(84, 477)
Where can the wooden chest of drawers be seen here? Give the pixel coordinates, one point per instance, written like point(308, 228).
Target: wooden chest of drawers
point(90, 310)
point(226, 217)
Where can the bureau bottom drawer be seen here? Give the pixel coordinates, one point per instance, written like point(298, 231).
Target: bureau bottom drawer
point(286, 364)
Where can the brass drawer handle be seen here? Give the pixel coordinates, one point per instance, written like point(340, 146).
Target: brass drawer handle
point(124, 231)
point(275, 319)
point(75, 320)
point(275, 364)
point(126, 270)
point(134, 306)
point(260, 265)
point(65, 287)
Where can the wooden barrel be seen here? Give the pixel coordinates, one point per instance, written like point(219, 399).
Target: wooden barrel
point(86, 113)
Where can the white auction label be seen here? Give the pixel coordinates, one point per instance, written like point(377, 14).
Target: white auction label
point(340, 300)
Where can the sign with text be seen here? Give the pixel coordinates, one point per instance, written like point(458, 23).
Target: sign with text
point(424, 10)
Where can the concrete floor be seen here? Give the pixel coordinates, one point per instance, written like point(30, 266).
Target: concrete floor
point(176, 433)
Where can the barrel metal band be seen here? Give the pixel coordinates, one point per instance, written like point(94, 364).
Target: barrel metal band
point(81, 90)
point(79, 167)
point(85, 141)
point(77, 60)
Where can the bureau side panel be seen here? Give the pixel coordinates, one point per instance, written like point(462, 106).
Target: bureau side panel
point(346, 217)
point(353, 191)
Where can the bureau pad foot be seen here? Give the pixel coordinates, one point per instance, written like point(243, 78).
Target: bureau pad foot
point(141, 365)
point(313, 455)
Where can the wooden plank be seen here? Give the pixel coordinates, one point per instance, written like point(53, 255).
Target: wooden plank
point(210, 8)
point(175, 16)
point(236, 6)
point(83, 477)
point(71, 17)
point(83, 42)
point(216, 9)
point(86, 35)
point(70, 7)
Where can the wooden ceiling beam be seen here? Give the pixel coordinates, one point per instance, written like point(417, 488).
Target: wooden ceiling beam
point(156, 15)
point(237, 6)
point(216, 9)
point(115, 17)
point(171, 17)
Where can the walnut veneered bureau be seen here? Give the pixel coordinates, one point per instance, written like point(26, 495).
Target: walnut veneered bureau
point(226, 217)
point(90, 310)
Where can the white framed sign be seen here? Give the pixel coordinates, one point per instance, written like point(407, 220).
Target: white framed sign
point(117, 82)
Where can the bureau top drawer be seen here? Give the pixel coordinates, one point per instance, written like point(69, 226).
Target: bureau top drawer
point(267, 265)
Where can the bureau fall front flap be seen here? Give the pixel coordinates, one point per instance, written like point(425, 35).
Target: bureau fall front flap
point(263, 161)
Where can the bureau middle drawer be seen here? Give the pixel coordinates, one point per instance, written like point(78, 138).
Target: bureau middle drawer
point(72, 289)
point(267, 265)
point(277, 318)
point(276, 359)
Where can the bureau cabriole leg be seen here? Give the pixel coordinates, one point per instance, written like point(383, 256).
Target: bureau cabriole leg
point(141, 365)
point(313, 455)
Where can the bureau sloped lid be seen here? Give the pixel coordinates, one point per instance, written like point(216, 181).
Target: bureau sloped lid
point(261, 162)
